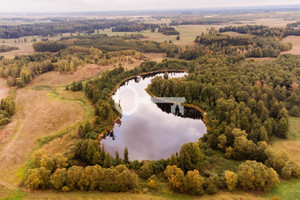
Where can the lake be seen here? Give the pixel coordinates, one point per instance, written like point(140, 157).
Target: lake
point(151, 129)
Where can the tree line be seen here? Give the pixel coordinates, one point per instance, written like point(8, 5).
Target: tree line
point(7, 108)
point(266, 31)
point(166, 30)
point(246, 46)
point(66, 55)
point(59, 27)
point(5, 48)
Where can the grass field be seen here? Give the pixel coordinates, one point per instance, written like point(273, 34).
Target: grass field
point(292, 144)
point(289, 189)
point(295, 40)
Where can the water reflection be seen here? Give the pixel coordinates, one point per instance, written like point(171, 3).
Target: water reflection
point(151, 131)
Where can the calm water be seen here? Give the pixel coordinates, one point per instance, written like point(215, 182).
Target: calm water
point(149, 130)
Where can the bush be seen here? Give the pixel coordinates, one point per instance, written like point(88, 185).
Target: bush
point(295, 111)
point(254, 175)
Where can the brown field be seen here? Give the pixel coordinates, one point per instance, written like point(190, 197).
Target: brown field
point(272, 22)
point(37, 116)
point(39, 113)
point(4, 89)
point(121, 196)
point(22, 194)
point(24, 49)
point(295, 40)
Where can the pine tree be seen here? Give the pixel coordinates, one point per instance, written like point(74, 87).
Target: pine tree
point(126, 158)
point(282, 128)
point(107, 161)
point(117, 160)
point(97, 159)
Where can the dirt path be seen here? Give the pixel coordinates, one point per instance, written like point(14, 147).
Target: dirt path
point(4, 89)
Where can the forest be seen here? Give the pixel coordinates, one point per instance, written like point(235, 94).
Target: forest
point(260, 30)
point(60, 27)
point(247, 46)
point(7, 109)
point(247, 102)
point(4, 48)
point(67, 54)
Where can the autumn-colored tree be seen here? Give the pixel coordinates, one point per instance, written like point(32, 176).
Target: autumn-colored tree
point(38, 178)
point(254, 175)
point(58, 178)
point(231, 179)
point(193, 183)
point(175, 178)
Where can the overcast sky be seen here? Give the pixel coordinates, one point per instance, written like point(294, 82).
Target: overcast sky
point(105, 5)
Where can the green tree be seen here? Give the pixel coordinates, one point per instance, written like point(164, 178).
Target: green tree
point(117, 160)
point(194, 183)
point(146, 170)
point(59, 178)
point(108, 161)
point(173, 160)
point(38, 178)
point(295, 111)
point(190, 156)
point(254, 175)
point(282, 128)
point(126, 158)
point(97, 159)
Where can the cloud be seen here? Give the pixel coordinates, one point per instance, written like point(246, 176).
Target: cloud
point(104, 5)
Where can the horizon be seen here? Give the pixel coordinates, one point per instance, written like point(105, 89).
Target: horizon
point(91, 6)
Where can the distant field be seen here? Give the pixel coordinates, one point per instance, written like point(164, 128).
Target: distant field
point(296, 44)
point(25, 48)
point(188, 34)
point(231, 33)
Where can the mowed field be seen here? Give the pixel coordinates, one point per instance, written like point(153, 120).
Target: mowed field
point(295, 40)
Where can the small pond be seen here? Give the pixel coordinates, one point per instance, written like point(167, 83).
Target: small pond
point(151, 129)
